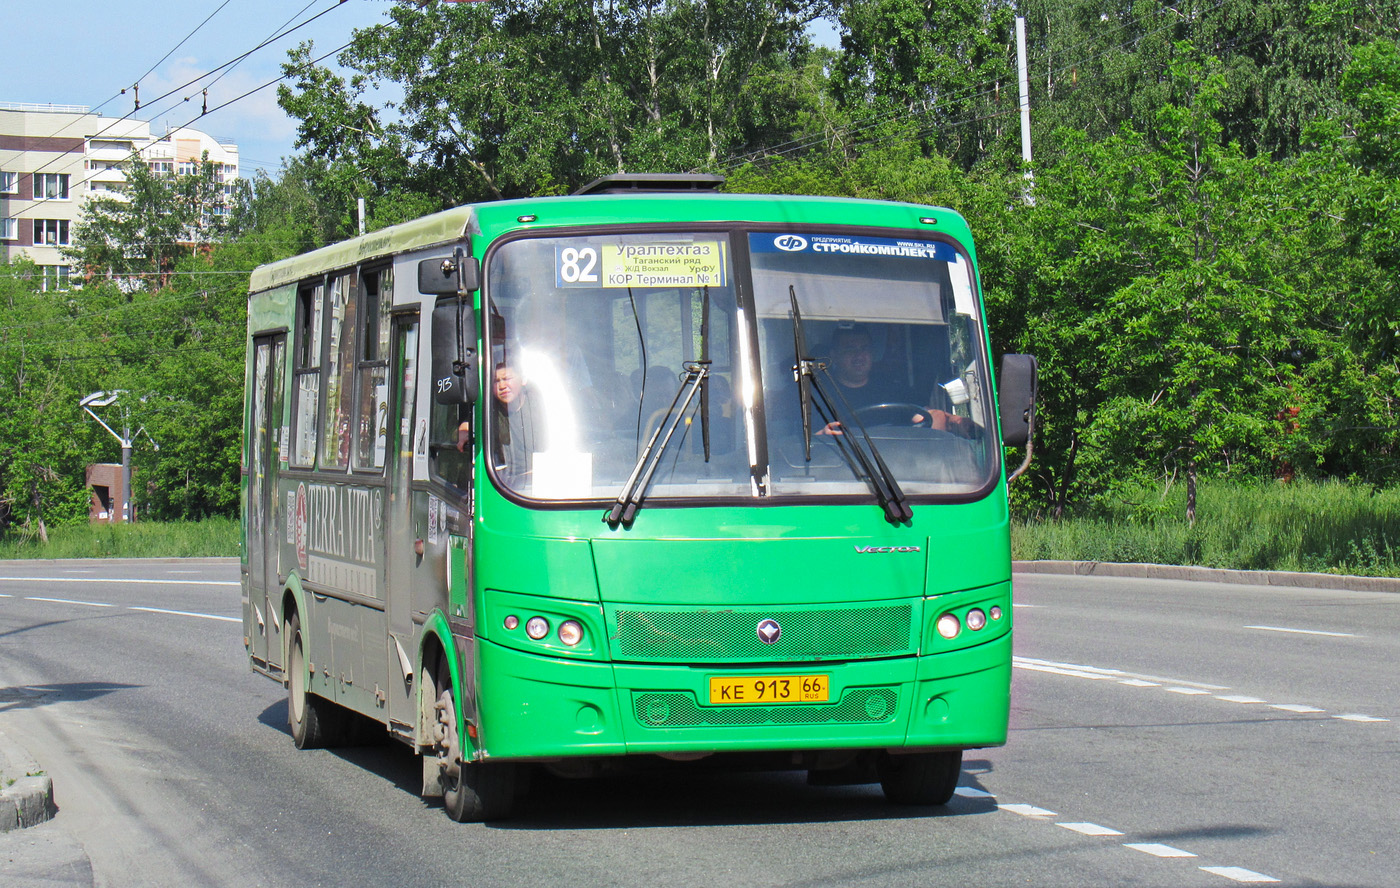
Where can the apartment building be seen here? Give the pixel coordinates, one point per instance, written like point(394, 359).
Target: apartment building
point(54, 158)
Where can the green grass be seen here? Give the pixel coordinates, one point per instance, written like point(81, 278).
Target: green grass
point(1326, 527)
point(212, 537)
point(1323, 527)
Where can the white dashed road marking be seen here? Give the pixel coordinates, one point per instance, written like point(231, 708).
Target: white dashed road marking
point(161, 610)
point(1239, 874)
point(1158, 850)
point(1304, 631)
point(1090, 829)
point(91, 580)
point(152, 610)
point(1175, 686)
point(1084, 828)
point(1027, 810)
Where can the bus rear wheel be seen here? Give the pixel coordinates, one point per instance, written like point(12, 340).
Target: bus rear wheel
point(471, 791)
point(920, 778)
point(315, 721)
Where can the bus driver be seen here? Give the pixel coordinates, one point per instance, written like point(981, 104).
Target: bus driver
point(852, 360)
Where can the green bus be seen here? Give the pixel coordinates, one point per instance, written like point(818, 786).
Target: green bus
point(649, 470)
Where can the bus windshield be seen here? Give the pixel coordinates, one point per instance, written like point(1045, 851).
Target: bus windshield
point(593, 337)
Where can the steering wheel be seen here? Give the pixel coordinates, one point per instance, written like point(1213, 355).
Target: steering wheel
point(895, 413)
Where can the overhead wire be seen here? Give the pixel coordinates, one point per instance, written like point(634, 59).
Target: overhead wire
point(237, 59)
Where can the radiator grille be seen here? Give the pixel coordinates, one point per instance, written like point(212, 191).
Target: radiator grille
point(731, 635)
point(679, 710)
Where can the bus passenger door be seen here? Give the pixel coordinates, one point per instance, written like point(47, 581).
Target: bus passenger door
point(263, 581)
point(401, 535)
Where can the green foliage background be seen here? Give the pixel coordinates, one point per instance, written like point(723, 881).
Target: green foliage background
point(1207, 270)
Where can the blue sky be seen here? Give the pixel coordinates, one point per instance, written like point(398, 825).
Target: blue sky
point(83, 52)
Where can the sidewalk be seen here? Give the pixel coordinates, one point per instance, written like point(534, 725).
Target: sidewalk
point(26, 793)
point(1209, 575)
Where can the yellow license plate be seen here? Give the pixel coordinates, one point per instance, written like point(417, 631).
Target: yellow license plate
point(769, 689)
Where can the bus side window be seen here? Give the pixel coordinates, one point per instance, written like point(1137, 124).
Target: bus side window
point(307, 386)
point(372, 412)
point(340, 363)
point(446, 461)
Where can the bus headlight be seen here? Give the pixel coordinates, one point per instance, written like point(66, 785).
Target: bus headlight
point(570, 632)
point(976, 619)
point(537, 627)
point(948, 626)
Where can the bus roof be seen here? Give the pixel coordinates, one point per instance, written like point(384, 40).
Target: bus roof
point(496, 218)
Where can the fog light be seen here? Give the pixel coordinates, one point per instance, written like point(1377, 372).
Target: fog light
point(976, 619)
point(948, 626)
point(996, 612)
point(512, 621)
point(537, 627)
point(570, 632)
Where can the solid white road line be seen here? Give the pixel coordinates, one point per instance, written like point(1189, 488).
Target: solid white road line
point(69, 601)
point(1304, 631)
point(1353, 717)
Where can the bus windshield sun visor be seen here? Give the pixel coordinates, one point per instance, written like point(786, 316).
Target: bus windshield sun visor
point(866, 459)
point(630, 499)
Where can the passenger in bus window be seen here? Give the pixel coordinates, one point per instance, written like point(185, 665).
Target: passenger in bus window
point(513, 436)
point(852, 360)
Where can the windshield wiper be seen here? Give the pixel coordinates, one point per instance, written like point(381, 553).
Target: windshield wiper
point(630, 499)
point(705, 383)
point(867, 458)
point(804, 372)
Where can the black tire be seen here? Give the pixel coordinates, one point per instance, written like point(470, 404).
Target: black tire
point(920, 778)
point(471, 791)
point(315, 721)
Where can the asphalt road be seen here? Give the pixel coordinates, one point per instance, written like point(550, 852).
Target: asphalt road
point(1254, 729)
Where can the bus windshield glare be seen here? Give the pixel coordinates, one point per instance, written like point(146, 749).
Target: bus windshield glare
point(591, 339)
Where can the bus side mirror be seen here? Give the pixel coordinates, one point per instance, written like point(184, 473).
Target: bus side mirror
point(1016, 391)
point(458, 273)
point(455, 379)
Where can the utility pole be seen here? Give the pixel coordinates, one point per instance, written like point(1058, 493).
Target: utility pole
point(1024, 76)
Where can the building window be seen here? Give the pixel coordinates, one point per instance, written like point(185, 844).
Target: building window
point(50, 186)
point(9, 229)
point(53, 277)
point(163, 167)
point(9, 183)
point(51, 232)
point(186, 168)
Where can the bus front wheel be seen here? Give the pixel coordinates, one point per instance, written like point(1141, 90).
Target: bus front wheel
point(315, 721)
point(920, 778)
point(471, 791)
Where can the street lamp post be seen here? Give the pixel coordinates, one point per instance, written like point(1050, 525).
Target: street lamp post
point(107, 399)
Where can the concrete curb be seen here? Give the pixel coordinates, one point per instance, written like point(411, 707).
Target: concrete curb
point(29, 800)
point(1209, 575)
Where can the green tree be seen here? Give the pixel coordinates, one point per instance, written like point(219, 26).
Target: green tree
point(156, 219)
point(522, 97)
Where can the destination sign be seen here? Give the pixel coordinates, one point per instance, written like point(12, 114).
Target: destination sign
point(617, 266)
